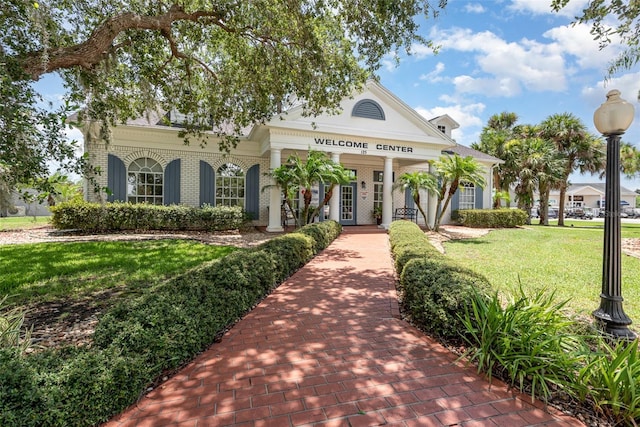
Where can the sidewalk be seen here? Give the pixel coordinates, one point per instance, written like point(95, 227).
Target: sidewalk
point(328, 348)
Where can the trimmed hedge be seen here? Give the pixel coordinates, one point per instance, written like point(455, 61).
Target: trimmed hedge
point(435, 290)
point(139, 339)
point(407, 242)
point(322, 233)
point(93, 217)
point(490, 218)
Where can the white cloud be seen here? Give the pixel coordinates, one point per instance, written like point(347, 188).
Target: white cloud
point(474, 8)
point(492, 87)
point(434, 76)
point(421, 51)
point(543, 7)
point(578, 42)
point(467, 115)
point(628, 85)
point(507, 66)
point(389, 63)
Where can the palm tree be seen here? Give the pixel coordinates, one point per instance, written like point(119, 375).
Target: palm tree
point(414, 182)
point(494, 140)
point(296, 175)
point(629, 159)
point(578, 149)
point(451, 170)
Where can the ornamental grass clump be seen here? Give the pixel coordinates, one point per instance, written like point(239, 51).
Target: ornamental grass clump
point(529, 342)
point(611, 380)
point(11, 332)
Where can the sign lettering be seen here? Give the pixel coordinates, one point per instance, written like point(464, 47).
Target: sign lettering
point(362, 146)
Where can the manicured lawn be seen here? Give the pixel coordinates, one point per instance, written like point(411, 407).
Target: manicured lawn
point(565, 259)
point(23, 222)
point(47, 271)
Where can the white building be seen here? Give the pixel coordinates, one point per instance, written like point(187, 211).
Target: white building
point(590, 195)
point(377, 135)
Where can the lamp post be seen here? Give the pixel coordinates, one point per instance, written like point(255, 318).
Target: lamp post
point(612, 119)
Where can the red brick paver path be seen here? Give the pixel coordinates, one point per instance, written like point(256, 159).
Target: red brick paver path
point(328, 348)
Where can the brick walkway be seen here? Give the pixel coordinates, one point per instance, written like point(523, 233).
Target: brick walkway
point(328, 348)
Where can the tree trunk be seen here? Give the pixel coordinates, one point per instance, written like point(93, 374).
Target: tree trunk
point(544, 207)
point(563, 194)
point(496, 185)
point(417, 202)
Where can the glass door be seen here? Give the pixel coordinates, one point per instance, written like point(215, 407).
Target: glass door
point(348, 204)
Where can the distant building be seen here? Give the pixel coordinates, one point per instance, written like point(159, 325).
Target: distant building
point(35, 208)
point(590, 196)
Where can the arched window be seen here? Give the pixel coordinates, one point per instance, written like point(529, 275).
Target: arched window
point(144, 181)
point(230, 185)
point(467, 196)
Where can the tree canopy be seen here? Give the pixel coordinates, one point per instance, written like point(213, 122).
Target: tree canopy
point(624, 30)
point(224, 64)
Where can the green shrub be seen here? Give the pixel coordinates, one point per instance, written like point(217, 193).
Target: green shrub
point(436, 291)
point(433, 289)
point(289, 252)
point(94, 385)
point(322, 233)
point(68, 387)
point(490, 218)
point(530, 342)
point(140, 216)
point(408, 242)
point(22, 399)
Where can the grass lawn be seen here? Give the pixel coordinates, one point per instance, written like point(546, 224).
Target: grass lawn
point(567, 260)
point(46, 271)
point(23, 222)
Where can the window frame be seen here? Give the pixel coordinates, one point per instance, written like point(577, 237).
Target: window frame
point(230, 189)
point(467, 196)
point(146, 174)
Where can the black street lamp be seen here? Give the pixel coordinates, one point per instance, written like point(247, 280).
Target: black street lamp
point(612, 119)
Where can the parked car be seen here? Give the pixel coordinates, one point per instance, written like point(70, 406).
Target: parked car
point(632, 212)
point(579, 213)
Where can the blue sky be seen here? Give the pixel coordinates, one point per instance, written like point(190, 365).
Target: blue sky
point(510, 55)
point(500, 55)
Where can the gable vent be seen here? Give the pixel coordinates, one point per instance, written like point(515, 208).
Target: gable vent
point(368, 109)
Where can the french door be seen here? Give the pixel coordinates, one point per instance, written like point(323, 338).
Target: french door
point(348, 208)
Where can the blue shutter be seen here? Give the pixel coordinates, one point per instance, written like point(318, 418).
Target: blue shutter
point(252, 192)
point(479, 195)
point(116, 179)
point(408, 199)
point(172, 183)
point(455, 200)
point(207, 184)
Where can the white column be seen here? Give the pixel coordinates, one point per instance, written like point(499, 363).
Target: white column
point(387, 192)
point(275, 219)
point(432, 203)
point(334, 202)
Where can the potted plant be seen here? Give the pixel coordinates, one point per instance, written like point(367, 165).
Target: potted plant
point(377, 214)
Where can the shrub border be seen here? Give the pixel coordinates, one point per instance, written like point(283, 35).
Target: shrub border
point(140, 340)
